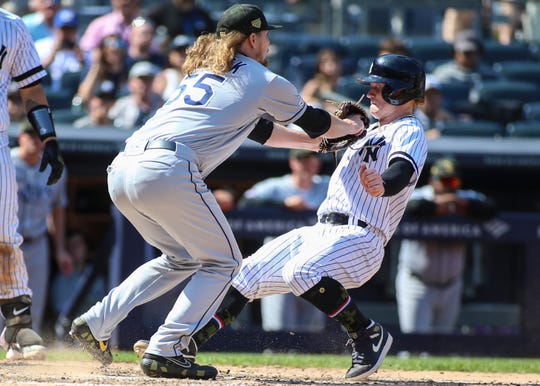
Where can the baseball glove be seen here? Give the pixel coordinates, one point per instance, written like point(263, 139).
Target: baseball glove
point(344, 110)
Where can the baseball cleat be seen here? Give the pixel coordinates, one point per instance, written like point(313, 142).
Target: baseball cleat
point(28, 345)
point(369, 347)
point(140, 346)
point(99, 349)
point(175, 367)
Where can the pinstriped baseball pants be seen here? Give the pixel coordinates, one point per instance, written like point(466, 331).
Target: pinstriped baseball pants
point(297, 260)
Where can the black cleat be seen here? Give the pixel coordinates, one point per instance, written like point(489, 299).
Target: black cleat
point(175, 367)
point(369, 347)
point(99, 349)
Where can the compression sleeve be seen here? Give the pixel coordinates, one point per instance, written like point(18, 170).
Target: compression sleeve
point(262, 131)
point(315, 122)
point(397, 176)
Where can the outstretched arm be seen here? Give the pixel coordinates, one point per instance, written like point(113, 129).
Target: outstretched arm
point(37, 107)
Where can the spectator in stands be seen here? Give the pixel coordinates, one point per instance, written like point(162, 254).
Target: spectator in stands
point(506, 20)
point(393, 45)
point(467, 65)
point(456, 20)
point(97, 108)
point(432, 112)
point(169, 78)
point(116, 22)
point(106, 65)
point(430, 272)
point(140, 46)
point(181, 17)
point(64, 285)
point(41, 214)
point(61, 53)
point(302, 189)
point(225, 197)
point(40, 20)
point(320, 90)
point(134, 109)
point(18, 7)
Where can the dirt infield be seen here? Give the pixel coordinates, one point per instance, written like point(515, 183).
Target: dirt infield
point(91, 373)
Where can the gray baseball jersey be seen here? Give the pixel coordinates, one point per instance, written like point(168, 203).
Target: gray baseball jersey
point(18, 61)
point(36, 200)
point(213, 114)
point(350, 254)
point(163, 194)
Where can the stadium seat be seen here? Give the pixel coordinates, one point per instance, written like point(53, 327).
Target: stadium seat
point(475, 128)
point(523, 129)
point(455, 95)
point(531, 111)
point(71, 81)
point(527, 71)
point(495, 52)
point(428, 48)
point(501, 100)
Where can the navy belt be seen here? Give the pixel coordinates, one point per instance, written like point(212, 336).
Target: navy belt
point(161, 144)
point(339, 219)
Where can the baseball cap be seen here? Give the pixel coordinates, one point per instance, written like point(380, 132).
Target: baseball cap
point(444, 168)
point(245, 18)
point(65, 18)
point(181, 41)
point(106, 89)
point(466, 41)
point(300, 153)
point(143, 69)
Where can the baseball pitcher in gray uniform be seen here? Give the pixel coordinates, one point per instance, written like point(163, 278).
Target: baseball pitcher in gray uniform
point(157, 182)
point(19, 62)
point(366, 199)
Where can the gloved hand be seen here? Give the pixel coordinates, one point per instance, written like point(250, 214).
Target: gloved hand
point(51, 156)
point(344, 110)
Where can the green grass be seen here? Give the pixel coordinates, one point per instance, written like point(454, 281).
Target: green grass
point(418, 363)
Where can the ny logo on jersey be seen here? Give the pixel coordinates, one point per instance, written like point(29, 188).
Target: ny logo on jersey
point(372, 147)
point(3, 53)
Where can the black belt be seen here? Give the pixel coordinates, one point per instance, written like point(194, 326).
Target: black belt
point(161, 144)
point(437, 284)
point(339, 219)
point(29, 240)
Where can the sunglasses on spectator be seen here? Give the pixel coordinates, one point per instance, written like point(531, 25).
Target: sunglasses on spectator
point(450, 182)
point(113, 43)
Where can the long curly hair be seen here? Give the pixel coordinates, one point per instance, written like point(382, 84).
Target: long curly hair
point(213, 53)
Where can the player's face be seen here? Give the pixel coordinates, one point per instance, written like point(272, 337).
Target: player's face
point(383, 111)
point(261, 47)
point(378, 106)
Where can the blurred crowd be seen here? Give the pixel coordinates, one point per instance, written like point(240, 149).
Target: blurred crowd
point(116, 68)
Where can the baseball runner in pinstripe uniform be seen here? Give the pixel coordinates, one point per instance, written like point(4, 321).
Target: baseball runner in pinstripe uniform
point(366, 199)
point(19, 61)
point(157, 182)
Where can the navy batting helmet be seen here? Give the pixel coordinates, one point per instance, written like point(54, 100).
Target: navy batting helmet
point(403, 76)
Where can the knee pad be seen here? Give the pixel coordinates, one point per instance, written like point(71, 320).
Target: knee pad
point(326, 295)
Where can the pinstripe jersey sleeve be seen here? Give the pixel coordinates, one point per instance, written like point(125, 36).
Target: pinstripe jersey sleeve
point(403, 139)
point(19, 60)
